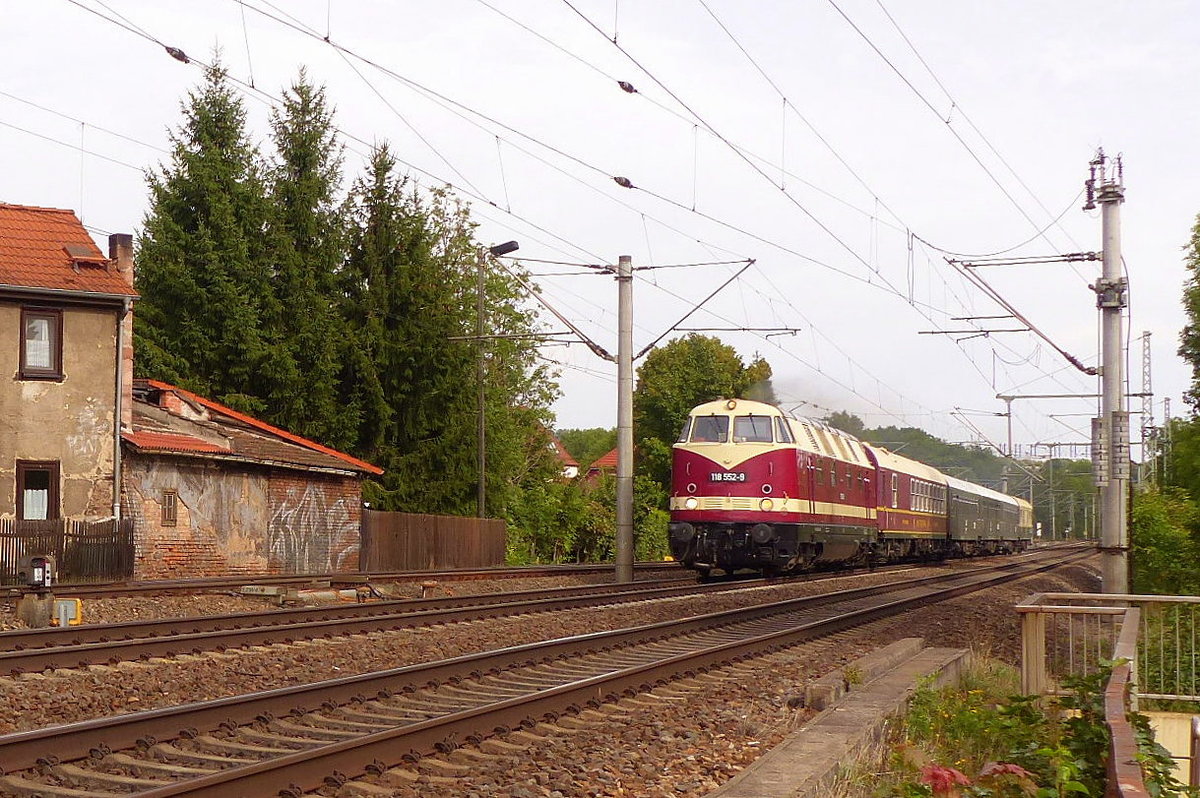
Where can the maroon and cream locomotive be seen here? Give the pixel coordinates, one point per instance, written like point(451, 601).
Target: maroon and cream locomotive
point(756, 488)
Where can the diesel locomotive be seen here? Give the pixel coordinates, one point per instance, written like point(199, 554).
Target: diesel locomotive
point(754, 487)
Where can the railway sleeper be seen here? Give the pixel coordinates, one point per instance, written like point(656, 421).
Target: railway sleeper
point(266, 741)
point(256, 750)
point(171, 753)
point(87, 778)
point(313, 733)
point(24, 788)
point(152, 766)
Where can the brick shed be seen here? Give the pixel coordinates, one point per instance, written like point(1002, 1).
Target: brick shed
point(214, 492)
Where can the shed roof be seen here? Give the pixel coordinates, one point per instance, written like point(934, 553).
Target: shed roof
point(49, 248)
point(213, 429)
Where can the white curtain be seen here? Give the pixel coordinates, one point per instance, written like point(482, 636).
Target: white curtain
point(37, 504)
point(37, 344)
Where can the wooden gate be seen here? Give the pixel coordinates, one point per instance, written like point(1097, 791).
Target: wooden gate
point(412, 542)
point(86, 551)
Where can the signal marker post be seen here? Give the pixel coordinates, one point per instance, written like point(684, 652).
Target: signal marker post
point(624, 419)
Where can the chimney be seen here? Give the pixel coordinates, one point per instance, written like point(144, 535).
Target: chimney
point(120, 253)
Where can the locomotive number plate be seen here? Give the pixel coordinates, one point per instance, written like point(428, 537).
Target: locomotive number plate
point(727, 476)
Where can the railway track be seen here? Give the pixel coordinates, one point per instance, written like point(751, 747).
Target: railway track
point(347, 580)
point(292, 740)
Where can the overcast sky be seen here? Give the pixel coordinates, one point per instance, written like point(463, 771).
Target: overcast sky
point(844, 146)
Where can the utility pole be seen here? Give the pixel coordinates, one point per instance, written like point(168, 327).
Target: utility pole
point(1113, 424)
point(480, 373)
point(624, 419)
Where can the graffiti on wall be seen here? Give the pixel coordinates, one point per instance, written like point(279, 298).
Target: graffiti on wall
point(314, 529)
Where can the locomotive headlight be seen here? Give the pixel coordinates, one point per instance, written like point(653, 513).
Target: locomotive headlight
point(691, 503)
point(766, 504)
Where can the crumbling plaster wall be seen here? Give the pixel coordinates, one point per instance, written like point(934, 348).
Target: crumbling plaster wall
point(235, 518)
point(70, 421)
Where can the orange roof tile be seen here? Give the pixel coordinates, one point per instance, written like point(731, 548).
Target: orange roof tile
point(361, 465)
point(608, 460)
point(34, 254)
point(169, 442)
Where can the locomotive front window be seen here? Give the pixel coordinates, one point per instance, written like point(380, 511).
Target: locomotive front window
point(752, 429)
point(710, 429)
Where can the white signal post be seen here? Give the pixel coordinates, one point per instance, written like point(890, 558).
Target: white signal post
point(624, 419)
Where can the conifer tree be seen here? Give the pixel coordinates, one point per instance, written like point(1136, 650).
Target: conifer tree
point(208, 308)
point(307, 233)
point(410, 288)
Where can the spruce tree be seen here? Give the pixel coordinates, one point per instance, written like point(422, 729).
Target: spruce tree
point(410, 298)
point(307, 233)
point(208, 307)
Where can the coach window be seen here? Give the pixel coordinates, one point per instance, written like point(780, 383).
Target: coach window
point(710, 429)
point(820, 474)
point(895, 490)
point(752, 429)
point(37, 490)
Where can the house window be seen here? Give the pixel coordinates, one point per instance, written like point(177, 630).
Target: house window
point(37, 490)
point(170, 507)
point(41, 344)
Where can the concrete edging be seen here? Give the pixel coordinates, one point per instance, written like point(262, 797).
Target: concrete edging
point(852, 717)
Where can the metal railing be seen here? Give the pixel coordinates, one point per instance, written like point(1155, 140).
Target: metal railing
point(1151, 639)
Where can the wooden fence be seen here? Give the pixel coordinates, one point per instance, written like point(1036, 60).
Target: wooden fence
point(411, 542)
point(86, 551)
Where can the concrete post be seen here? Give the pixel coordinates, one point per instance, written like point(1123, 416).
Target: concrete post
point(624, 419)
point(1110, 299)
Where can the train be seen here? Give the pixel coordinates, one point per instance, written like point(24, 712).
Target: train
point(756, 488)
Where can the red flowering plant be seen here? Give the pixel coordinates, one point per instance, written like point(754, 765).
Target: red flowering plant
point(1006, 778)
point(944, 781)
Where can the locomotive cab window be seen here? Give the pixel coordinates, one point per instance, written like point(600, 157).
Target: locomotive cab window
point(752, 429)
point(784, 431)
point(683, 433)
point(710, 429)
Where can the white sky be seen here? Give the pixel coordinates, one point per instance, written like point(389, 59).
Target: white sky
point(1045, 83)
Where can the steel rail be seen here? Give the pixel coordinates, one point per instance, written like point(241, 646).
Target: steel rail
point(327, 579)
point(90, 645)
point(300, 772)
point(32, 650)
point(23, 750)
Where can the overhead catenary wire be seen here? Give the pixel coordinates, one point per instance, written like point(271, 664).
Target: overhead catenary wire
point(426, 173)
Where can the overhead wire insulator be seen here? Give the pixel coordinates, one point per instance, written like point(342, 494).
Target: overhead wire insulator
point(177, 54)
point(626, 87)
point(623, 182)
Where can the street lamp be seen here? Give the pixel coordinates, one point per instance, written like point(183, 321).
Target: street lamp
point(481, 497)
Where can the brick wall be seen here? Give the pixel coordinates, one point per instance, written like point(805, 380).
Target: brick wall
point(315, 522)
point(233, 519)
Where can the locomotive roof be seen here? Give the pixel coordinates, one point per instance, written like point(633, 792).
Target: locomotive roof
point(812, 435)
point(904, 465)
point(980, 490)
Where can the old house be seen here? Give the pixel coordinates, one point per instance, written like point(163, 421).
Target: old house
point(209, 490)
point(64, 310)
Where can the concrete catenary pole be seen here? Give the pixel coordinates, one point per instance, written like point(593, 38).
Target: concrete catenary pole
point(624, 419)
point(1110, 299)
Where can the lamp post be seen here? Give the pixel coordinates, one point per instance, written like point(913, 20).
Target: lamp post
point(481, 496)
